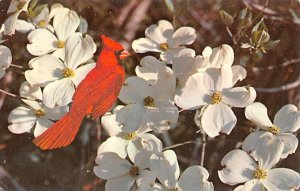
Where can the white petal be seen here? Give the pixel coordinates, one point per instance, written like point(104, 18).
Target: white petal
point(44, 69)
point(33, 92)
point(149, 69)
point(10, 24)
point(110, 165)
point(81, 72)
point(164, 88)
point(288, 118)
point(192, 96)
point(195, 178)
point(131, 117)
point(5, 57)
point(170, 54)
point(218, 118)
point(282, 179)
point(119, 146)
point(238, 167)
point(166, 166)
point(268, 151)
point(238, 96)
point(122, 183)
point(222, 55)
point(146, 179)
point(42, 16)
point(252, 185)
point(251, 141)
point(153, 33)
point(22, 120)
point(143, 45)
point(55, 113)
point(2, 72)
point(215, 79)
point(166, 28)
point(156, 187)
point(110, 124)
point(58, 93)
point(257, 113)
point(151, 143)
point(134, 90)
point(239, 73)
point(41, 126)
point(207, 52)
point(65, 23)
point(55, 9)
point(79, 50)
point(290, 143)
point(41, 42)
point(24, 26)
point(13, 6)
point(182, 36)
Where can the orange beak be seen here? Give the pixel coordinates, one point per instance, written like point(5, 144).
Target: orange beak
point(124, 54)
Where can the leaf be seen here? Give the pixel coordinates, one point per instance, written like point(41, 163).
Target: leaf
point(245, 19)
point(259, 37)
point(170, 5)
point(260, 26)
point(39, 8)
point(33, 3)
point(271, 44)
point(246, 45)
point(226, 17)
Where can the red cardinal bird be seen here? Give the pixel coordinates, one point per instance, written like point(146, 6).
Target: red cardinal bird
point(94, 96)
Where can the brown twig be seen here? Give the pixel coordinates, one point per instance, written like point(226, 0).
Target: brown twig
point(18, 97)
point(203, 148)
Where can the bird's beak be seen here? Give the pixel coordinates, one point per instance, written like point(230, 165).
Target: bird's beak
point(124, 54)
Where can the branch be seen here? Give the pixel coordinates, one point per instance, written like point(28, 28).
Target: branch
point(19, 97)
point(286, 63)
point(280, 88)
point(203, 148)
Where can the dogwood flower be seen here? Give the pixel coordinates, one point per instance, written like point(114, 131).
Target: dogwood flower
point(214, 90)
point(127, 143)
point(239, 167)
point(42, 41)
point(162, 38)
point(146, 104)
point(166, 166)
point(286, 121)
point(5, 59)
point(60, 78)
point(121, 175)
point(35, 114)
point(15, 8)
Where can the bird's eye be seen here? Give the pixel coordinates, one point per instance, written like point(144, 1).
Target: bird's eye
point(118, 53)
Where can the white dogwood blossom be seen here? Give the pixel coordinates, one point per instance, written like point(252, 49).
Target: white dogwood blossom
point(146, 104)
point(164, 39)
point(286, 121)
point(35, 114)
point(60, 78)
point(127, 143)
point(5, 59)
point(43, 41)
point(239, 167)
point(121, 175)
point(166, 166)
point(15, 8)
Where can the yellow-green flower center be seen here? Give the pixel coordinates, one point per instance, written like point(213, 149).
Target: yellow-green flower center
point(39, 113)
point(164, 46)
point(130, 136)
point(216, 97)
point(134, 171)
point(274, 130)
point(42, 24)
point(68, 72)
point(149, 101)
point(60, 44)
point(21, 5)
point(260, 173)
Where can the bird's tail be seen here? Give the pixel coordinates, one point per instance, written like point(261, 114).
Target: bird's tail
point(60, 134)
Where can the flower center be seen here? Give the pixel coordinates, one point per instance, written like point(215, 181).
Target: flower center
point(274, 130)
point(60, 44)
point(216, 97)
point(42, 24)
point(149, 101)
point(164, 46)
point(134, 171)
point(259, 173)
point(39, 113)
point(20, 5)
point(68, 72)
point(130, 136)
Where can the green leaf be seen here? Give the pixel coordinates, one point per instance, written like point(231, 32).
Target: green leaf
point(260, 26)
point(170, 5)
point(39, 9)
point(245, 19)
point(259, 37)
point(226, 18)
point(33, 3)
point(271, 44)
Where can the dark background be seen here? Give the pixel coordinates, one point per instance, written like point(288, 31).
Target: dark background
point(24, 167)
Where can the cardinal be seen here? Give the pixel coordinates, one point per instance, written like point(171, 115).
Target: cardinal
point(93, 97)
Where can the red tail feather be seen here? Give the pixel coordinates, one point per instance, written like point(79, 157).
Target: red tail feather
point(61, 134)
